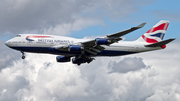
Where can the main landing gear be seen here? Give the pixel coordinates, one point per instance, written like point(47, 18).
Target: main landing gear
point(23, 56)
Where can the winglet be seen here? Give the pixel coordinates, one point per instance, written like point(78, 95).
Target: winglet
point(119, 34)
point(141, 25)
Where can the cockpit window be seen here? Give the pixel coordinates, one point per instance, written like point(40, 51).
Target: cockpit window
point(18, 36)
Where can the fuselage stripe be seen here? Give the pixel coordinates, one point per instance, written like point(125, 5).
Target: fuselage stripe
point(38, 36)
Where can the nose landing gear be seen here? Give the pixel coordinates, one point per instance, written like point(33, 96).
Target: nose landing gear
point(23, 56)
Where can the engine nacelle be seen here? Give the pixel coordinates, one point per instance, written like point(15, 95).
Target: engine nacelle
point(102, 41)
point(63, 59)
point(75, 48)
point(78, 61)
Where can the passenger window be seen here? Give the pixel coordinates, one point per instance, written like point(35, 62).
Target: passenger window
point(14, 42)
point(18, 36)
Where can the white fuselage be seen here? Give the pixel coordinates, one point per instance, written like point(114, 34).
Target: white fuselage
point(48, 44)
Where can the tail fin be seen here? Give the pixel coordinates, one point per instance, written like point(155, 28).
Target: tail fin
point(156, 33)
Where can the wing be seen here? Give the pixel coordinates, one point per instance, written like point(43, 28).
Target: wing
point(88, 46)
point(119, 34)
point(92, 47)
point(95, 46)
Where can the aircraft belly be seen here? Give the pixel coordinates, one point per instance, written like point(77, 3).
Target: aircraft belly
point(48, 50)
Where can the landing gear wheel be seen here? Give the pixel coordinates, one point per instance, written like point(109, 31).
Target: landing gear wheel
point(23, 57)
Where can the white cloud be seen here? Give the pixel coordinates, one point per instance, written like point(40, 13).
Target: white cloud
point(65, 29)
point(7, 56)
point(40, 77)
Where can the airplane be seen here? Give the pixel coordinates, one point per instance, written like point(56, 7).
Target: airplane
point(85, 50)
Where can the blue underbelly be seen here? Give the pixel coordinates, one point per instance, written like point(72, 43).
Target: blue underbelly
point(50, 50)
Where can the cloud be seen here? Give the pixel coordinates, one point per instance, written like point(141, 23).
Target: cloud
point(40, 77)
point(11, 83)
point(18, 16)
point(65, 29)
point(7, 56)
point(127, 65)
point(44, 79)
point(170, 93)
point(39, 16)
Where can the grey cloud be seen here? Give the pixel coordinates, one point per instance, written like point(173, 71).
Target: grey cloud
point(17, 16)
point(36, 16)
point(127, 65)
point(7, 55)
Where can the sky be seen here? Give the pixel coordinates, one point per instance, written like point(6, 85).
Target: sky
point(149, 76)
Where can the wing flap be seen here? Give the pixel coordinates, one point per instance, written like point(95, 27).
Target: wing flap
point(91, 46)
point(92, 52)
point(96, 50)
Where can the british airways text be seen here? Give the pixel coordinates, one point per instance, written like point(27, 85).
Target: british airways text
point(55, 41)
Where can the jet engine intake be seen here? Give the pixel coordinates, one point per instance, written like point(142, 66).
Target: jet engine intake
point(75, 48)
point(102, 41)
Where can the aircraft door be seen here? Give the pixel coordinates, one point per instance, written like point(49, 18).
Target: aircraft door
point(52, 43)
point(29, 43)
point(136, 48)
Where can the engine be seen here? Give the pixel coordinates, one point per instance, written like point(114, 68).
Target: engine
point(75, 48)
point(102, 41)
point(62, 59)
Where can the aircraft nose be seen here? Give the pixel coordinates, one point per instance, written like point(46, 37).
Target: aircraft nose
point(6, 43)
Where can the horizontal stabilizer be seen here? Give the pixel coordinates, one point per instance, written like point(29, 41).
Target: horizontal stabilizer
point(161, 43)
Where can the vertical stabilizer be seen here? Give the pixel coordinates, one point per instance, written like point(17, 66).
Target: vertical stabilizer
point(156, 33)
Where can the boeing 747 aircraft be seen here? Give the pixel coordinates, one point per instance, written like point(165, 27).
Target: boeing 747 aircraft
point(84, 50)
